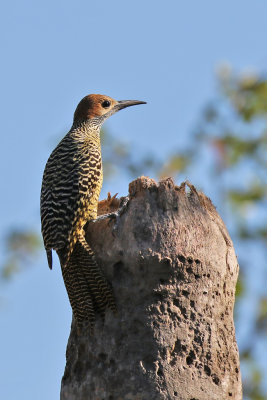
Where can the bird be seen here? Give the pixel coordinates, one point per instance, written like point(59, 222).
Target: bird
point(71, 185)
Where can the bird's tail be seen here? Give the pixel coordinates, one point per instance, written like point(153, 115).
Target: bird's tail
point(88, 290)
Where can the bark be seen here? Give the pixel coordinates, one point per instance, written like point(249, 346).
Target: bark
point(173, 268)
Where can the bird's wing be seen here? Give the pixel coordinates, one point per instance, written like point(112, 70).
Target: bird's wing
point(59, 195)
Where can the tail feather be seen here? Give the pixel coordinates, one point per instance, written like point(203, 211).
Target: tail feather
point(79, 296)
point(49, 258)
point(102, 290)
point(88, 290)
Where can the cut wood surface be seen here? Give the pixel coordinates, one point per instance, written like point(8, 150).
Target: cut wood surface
point(173, 269)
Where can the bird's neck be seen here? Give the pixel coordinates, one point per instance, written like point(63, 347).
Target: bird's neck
point(85, 130)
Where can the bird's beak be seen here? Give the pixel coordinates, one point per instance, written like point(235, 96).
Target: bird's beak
point(127, 103)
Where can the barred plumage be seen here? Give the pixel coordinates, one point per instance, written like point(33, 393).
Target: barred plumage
point(71, 186)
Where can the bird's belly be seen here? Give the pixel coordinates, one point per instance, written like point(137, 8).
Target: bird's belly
point(89, 204)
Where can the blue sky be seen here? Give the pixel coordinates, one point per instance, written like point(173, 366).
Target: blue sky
point(54, 53)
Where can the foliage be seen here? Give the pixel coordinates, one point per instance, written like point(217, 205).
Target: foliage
point(22, 247)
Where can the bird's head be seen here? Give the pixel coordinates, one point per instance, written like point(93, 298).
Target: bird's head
point(99, 107)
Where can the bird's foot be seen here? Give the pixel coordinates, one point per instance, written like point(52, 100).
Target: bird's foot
point(119, 212)
point(115, 214)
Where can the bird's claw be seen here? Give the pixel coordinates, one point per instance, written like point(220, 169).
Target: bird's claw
point(115, 214)
point(119, 212)
point(112, 215)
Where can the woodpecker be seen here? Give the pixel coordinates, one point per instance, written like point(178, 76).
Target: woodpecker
point(71, 185)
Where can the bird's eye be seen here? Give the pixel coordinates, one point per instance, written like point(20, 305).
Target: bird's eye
point(106, 104)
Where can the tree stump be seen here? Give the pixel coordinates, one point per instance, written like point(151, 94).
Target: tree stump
point(173, 269)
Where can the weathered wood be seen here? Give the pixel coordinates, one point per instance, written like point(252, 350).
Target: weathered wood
point(173, 269)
